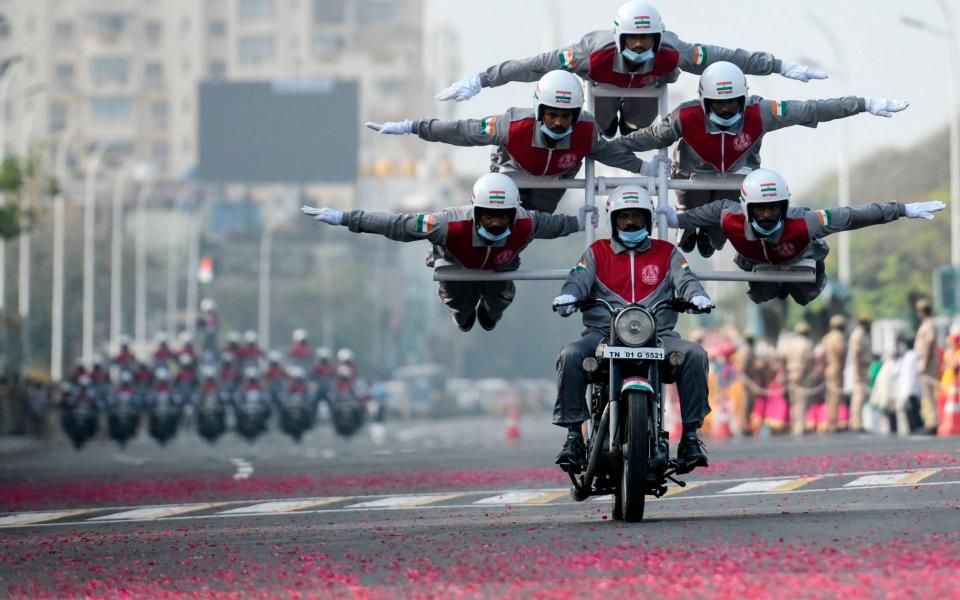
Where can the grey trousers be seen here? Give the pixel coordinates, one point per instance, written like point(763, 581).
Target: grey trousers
point(634, 114)
point(462, 297)
point(691, 199)
point(690, 377)
point(802, 293)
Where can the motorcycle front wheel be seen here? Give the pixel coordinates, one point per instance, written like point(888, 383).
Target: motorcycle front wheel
point(636, 457)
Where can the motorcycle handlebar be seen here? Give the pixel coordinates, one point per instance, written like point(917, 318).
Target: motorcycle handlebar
point(674, 304)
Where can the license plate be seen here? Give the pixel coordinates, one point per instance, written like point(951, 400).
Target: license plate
point(634, 353)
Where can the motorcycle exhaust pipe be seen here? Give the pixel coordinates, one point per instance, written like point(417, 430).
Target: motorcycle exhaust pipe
point(595, 449)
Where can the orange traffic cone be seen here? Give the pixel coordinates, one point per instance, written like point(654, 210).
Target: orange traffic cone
point(950, 419)
point(721, 421)
point(513, 424)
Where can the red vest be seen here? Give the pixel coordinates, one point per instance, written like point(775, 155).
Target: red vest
point(543, 161)
point(794, 239)
point(665, 62)
point(650, 268)
point(460, 245)
point(719, 149)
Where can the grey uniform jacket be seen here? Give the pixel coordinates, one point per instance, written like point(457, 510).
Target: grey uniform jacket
point(694, 58)
point(495, 131)
point(653, 272)
point(435, 226)
point(820, 223)
point(774, 114)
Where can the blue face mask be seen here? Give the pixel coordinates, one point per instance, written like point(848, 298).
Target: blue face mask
point(725, 122)
point(637, 57)
point(767, 232)
point(553, 134)
point(632, 238)
point(491, 237)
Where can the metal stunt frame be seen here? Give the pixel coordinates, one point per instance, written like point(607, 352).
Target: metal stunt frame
point(658, 186)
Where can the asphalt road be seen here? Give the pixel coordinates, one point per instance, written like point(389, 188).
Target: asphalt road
point(453, 509)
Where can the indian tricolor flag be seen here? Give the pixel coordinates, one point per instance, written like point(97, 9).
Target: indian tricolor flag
point(724, 87)
point(581, 265)
point(768, 189)
point(825, 218)
point(425, 223)
point(497, 195)
point(567, 61)
point(779, 108)
point(631, 196)
point(488, 126)
point(641, 21)
point(684, 264)
point(563, 96)
point(699, 55)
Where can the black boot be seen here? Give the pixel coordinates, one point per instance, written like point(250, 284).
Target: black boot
point(484, 318)
point(573, 456)
point(690, 453)
point(464, 323)
point(703, 244)
point(688, 241)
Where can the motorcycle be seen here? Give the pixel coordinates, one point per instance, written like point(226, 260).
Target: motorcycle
point(252, 413)
point(79, 414)
point(123, 416)
point(294, 414)
point(347, 410)
point(628, 448)
point(163, 415)
point(211, 415)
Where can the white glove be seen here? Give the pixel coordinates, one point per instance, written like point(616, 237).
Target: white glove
point(564, 304)
point(883, 107)
point(404, 127)
point(667, 211)
point(924, 210)
point(701, 302)
point(461, 90)
point(324, 215)
point(651, 168)
point(582, 217)
point(800, 72)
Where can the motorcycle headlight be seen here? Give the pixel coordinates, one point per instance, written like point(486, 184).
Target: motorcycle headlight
point(634, 326)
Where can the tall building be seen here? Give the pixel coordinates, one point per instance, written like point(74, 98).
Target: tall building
point(127, 71)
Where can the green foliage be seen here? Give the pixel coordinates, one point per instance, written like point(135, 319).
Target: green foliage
point(10, 222)
point(11, 175)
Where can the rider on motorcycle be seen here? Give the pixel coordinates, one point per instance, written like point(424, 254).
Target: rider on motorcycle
point(300, 348)
point(630, 267)
point(163, 356)
point(229, 373)
point(298, 383)
point(125, 358)
point(186, 380)
point(250, 351)
point(209, 384)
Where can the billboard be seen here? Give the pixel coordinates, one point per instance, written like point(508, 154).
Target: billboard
point(302, 131)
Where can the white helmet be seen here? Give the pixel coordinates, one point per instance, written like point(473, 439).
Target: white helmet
point(233, 337)
point(209, 372)
point(162, 374)
point(722, 81)
point(295, 372)
point(764, 186)
point(185, 338)
point(250, 372)
point(497, 191)
point(630, 196)
point(299, 335)
point(637, 18)
point(559, 89)
point(207, 305)
point(323, 353)
point(161, 338)
point(345, 355)
point(250, 336)
point(274, 356)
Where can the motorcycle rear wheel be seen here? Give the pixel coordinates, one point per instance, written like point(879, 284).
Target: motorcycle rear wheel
point(636, 457)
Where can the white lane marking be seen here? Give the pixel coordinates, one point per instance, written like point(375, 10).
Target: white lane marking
point(769, 485)
point(30, 518)
point(349, 509)
point(129, 460)
point(406, 501)
point(155, 512)
point(276, 507)
point(891, 478)
point(510, 498)
point(244, 468)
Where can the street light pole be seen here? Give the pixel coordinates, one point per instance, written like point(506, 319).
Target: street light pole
point(266, 247)
point(23, 258)
point(140, 275)
point(953, 65)
point(56, 312)
point(182, 196)
point(116, 256)
point(89, 222)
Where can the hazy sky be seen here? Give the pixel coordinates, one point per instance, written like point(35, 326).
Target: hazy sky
point(884, 58)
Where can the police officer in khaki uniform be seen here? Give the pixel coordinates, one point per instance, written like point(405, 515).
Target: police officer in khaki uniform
point(861, 354)
point(925, 345)
point(798, 359)
point(834, 346)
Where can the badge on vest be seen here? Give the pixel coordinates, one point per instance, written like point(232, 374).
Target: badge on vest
point(567, 161)
point(650, 274)
point(742, 141)
point(502, 258)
